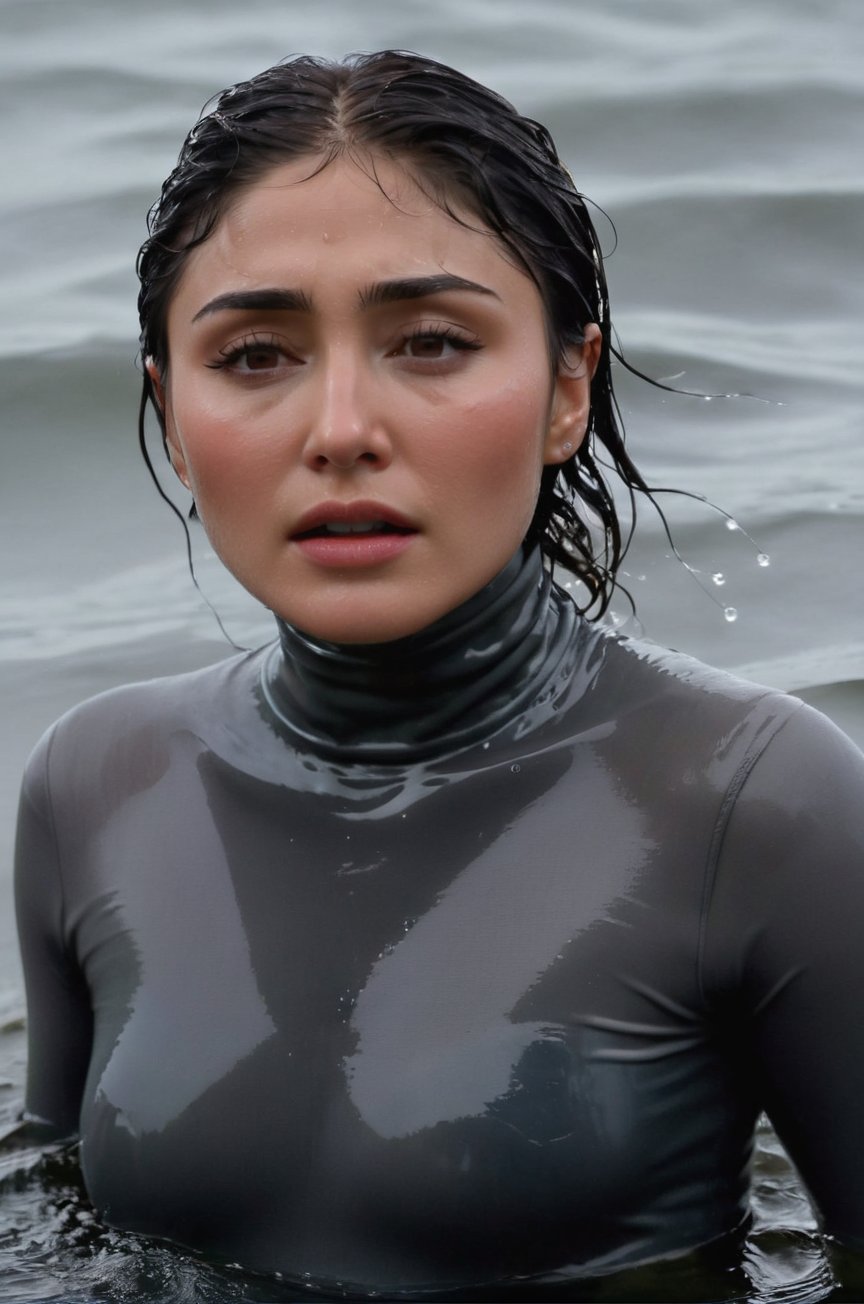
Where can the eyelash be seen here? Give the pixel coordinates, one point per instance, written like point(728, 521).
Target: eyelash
point(442, 332)
point(231, 355)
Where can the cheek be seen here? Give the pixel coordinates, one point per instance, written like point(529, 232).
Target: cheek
point(222, 460)
point(500, 446)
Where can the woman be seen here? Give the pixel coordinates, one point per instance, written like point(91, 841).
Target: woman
point(450, 947)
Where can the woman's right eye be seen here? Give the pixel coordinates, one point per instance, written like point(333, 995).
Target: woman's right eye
point(254, 357)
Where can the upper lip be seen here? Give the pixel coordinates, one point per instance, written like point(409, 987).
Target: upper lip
point(354, 512)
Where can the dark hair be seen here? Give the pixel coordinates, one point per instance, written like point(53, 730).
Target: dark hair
point(470, 150)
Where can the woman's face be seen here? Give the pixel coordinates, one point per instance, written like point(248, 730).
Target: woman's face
point(359, 396)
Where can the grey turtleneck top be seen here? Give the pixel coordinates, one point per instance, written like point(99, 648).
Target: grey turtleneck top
point(460, 964)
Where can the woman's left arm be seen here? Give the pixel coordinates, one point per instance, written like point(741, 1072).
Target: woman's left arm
point(786, 933)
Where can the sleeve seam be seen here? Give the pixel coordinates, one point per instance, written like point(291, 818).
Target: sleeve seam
point(753, 754)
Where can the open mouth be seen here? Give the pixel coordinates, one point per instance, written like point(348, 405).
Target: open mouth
point(333, 529)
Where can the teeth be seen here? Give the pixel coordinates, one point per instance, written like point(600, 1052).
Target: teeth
point(354, 527)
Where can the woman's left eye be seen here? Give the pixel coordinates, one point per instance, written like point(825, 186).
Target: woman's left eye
point(435, 344)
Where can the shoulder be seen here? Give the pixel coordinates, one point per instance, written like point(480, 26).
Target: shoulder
point(669, 687)
point(692, 721)
point(789, 784)
point(810, 770)
point(664, 672)
point(134, 723)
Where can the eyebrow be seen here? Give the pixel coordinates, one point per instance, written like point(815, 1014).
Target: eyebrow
point(243, 300)
point(418, 287)
point(382, 292)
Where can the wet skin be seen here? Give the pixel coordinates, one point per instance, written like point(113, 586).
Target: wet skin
point(338, 345)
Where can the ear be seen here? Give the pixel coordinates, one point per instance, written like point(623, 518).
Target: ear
point(172, 444)
point(571, 398)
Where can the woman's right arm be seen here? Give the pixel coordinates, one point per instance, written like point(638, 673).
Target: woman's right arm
point(59, 1015)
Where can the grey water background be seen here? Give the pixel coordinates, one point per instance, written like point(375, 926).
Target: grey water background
point(724, 140)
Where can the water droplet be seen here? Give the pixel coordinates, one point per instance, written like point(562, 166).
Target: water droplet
point(763, 559)
point(732, 524)
point(718, 578)
point(514, 769)
point(707, 398)
point(641, 578)
point(730, 614)
point(485, 747)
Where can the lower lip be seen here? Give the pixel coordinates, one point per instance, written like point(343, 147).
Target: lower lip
point(353, 549)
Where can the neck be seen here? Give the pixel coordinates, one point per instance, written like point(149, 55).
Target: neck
point(491, 663)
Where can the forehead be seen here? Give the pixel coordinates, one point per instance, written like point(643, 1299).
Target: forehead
point(345, 220)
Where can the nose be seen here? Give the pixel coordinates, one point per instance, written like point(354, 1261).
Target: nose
point(346, 429)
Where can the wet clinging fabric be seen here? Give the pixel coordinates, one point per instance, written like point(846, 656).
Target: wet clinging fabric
point(465, 959)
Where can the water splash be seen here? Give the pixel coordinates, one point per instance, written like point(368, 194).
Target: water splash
point(718, 579)
point(736, 527)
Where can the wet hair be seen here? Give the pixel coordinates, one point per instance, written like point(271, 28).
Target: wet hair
point(477, 158)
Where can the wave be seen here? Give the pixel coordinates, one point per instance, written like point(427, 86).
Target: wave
point(138, 603)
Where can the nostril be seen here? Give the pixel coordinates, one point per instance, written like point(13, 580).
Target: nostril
point(344, 446)
point(323, 460)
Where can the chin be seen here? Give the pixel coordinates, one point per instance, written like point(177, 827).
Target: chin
point(342, 629)
point(375, 616)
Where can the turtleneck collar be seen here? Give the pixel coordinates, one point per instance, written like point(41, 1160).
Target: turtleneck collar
point(465, 677)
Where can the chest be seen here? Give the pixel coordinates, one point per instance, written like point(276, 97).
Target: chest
point(478, 1000)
